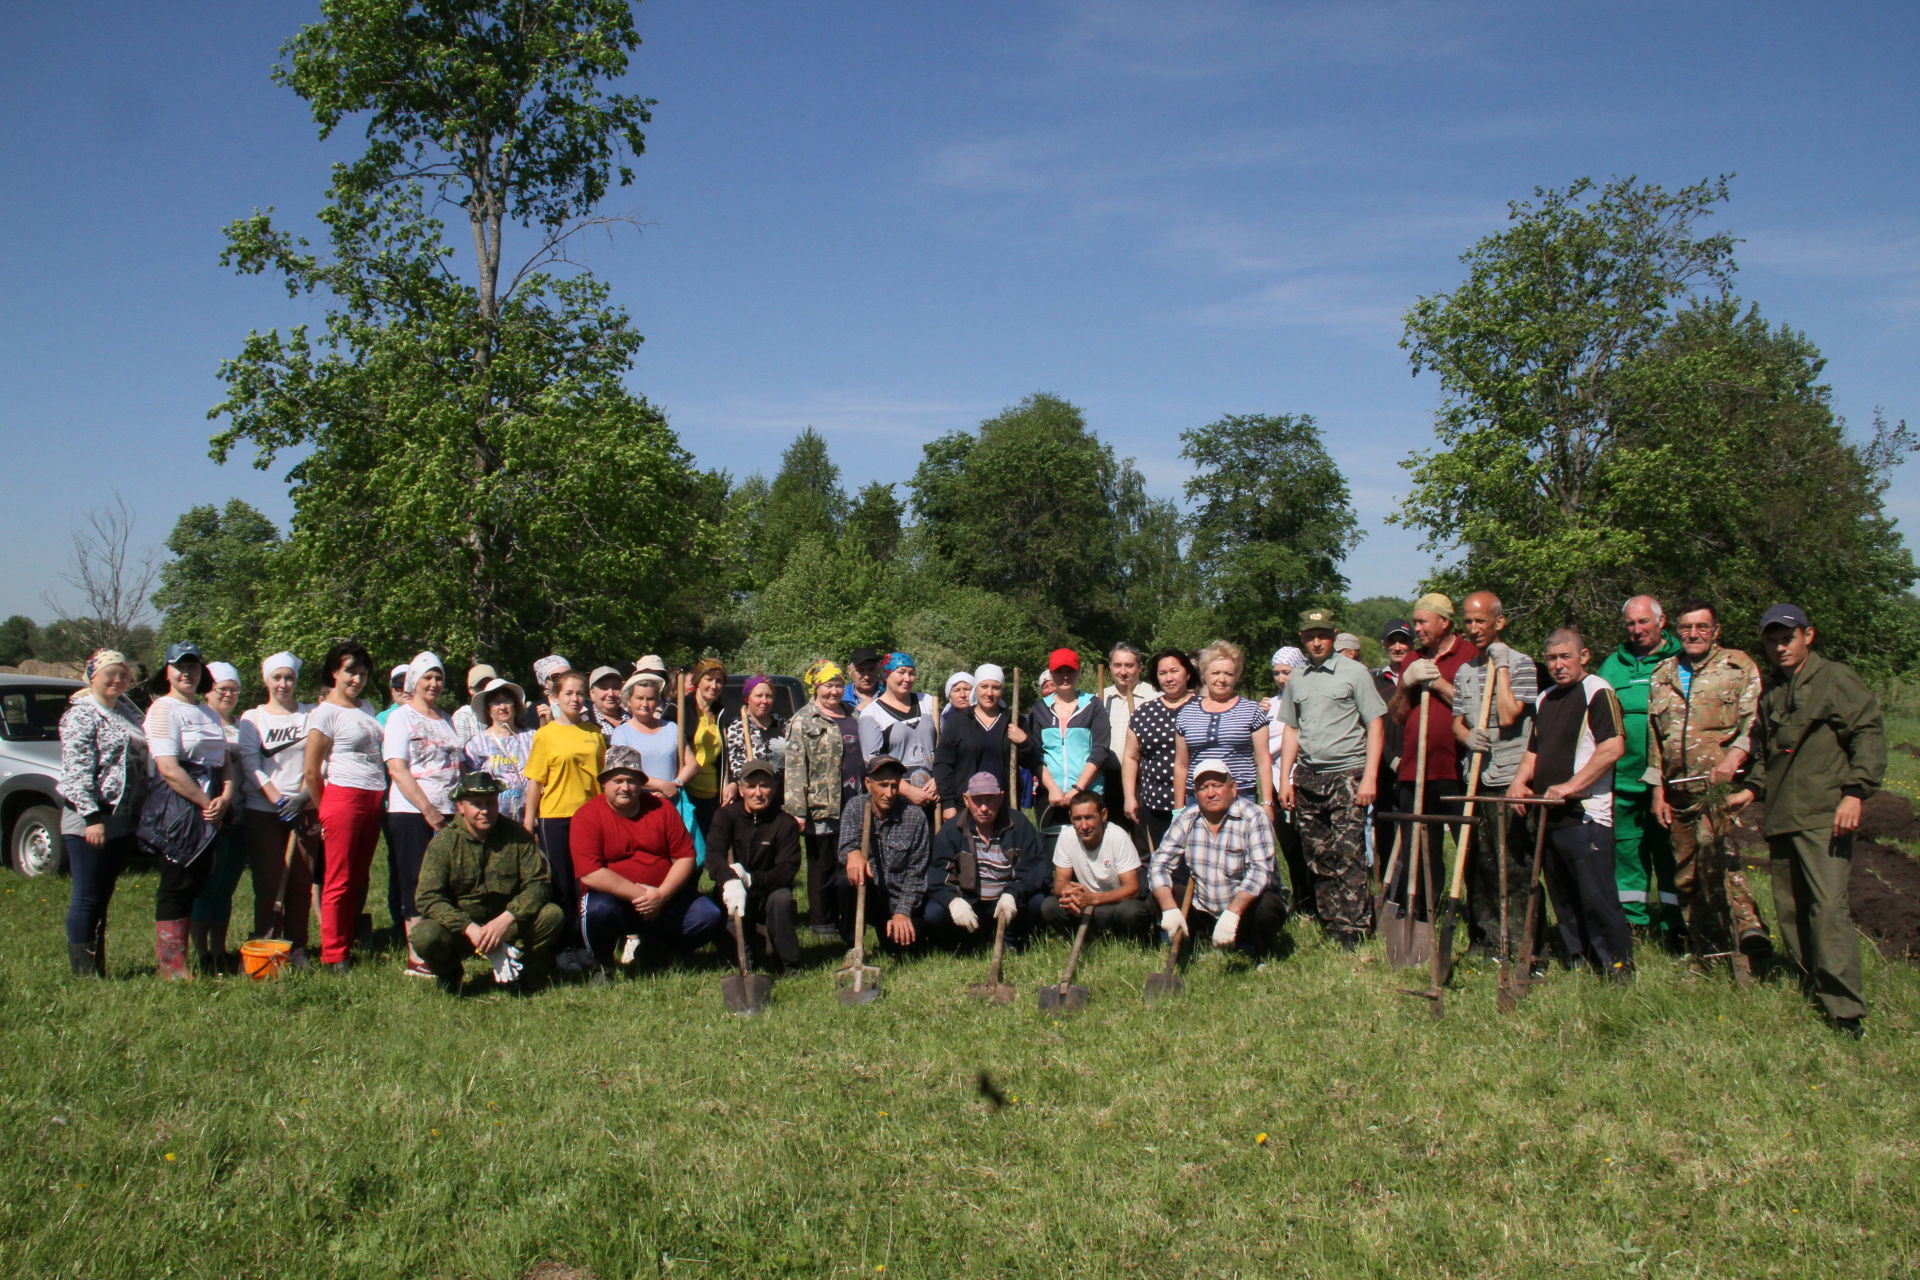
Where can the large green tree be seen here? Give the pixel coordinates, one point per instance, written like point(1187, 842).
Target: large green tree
point(475, 474)
point(18, 636)
point(805, 499)
point(1271, 521)
point(223, 583)
point(1532, 352)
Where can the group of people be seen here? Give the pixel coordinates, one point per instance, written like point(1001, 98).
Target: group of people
point(626, 812)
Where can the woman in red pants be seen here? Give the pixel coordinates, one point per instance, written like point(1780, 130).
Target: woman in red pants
point(346, 774)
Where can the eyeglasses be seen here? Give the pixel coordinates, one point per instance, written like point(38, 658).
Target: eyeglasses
point(1697, 628)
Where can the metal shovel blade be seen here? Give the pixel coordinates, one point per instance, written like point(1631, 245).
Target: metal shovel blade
point(1165, 983)
point(747, 992)
point(857, 984)
point(1057, 1000)
point(993, 992)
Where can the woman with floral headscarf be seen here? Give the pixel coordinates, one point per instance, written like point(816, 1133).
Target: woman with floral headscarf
point(103, 778)
point(757, 733)
point(824, 769)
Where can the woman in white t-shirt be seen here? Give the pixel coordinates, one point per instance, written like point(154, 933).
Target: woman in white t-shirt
point(283, 837)
point(189, 747)
point(213, 908)
point(345, 781)
point(423, 757)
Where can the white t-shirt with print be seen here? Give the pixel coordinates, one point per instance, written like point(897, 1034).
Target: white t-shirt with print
point(430, 746)
point(187, 731)
point(357, 739)
point(1101, 870)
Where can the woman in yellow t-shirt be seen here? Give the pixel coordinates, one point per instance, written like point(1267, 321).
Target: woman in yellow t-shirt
point(701, 739)
point(563, 773)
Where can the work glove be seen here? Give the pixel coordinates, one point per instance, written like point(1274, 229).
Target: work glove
point(1172, 923)
point(291, 803)
point(1421, 672)
point(746, 881)
point(1480, 741)
point(1226, 928)
point(960, 911)
point(733, 895)
point(1498, 654)
point(505, 960)
point(1006, 908)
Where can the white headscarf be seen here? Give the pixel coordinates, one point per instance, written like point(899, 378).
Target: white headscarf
point(282, 659)
point(987, 671)
point(223, 672)
point(1289, 656)
point(422, 663)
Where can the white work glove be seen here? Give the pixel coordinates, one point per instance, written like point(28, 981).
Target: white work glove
point(1498, 654)
point(505, 960)
point(1421, 672)
point(733, 895)
point(291, 803)
point(1173, 923)
point(960, 911)
point(1226, 928)
point(745, 879)
point(1006, 908)
point(1480, 741)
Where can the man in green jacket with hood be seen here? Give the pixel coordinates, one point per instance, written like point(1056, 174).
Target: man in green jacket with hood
point(1821, 752)
point(1642, 851)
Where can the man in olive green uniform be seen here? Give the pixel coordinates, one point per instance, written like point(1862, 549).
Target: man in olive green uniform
point(1700, 713)
point(484, 888)
point(1822, 752)
point(1642, 854)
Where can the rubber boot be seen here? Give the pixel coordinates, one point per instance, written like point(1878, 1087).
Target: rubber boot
point(170, 950)
point(82, 959)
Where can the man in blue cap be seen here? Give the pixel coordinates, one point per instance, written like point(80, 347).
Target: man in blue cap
point(1822, 752)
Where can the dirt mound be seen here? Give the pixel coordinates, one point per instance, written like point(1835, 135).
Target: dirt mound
point(1887, 816)
point(1884, 894)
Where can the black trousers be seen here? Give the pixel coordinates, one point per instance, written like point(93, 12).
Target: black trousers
point(823, 859)
point(1586, 898)
point(1260, 924)
point(179, 886)
point(1131, 916)
point(776, 913)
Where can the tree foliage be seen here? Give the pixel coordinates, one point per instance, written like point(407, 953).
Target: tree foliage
point(805, 500)
point(223, 583)
point(477, 476)
point(1271, 522)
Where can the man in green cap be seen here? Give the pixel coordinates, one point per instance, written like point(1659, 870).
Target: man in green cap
point(1327, 771)
point(1822, 751)
point(484, 889)
point(1642, 851)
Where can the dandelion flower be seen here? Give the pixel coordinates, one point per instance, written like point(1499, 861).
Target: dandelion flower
point(1260, 1139)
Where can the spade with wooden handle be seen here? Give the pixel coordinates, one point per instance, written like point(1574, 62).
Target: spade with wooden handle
point(1065, 997)
point(856, 981)
point(745, 991)
point(1168, 981)
point(994, 991)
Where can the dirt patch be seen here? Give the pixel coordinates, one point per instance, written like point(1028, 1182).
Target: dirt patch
point(1887, 816)
point(1884, 890)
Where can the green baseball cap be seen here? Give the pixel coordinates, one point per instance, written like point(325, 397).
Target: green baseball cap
point(1318, 620)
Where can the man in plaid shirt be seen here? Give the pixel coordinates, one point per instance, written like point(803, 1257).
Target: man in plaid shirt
point(1226, 845)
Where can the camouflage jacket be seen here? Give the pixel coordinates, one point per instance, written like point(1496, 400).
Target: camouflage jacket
point(813, 754)
point(1689, 733)
point(468, 880)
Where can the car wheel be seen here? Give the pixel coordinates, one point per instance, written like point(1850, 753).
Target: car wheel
point(37, 847)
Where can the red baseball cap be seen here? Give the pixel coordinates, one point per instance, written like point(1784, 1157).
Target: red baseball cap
point(1063, 658)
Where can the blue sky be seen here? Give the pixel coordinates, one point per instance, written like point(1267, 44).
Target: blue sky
point(889, 221)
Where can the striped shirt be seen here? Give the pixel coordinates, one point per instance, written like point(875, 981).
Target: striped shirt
point(1222, 735)
point(1236, 858)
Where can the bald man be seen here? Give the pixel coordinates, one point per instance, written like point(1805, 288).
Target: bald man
point(1642, 850)
point(1440, 654)
point(1499, 748)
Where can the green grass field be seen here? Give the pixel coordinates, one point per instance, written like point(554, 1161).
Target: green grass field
point(1301, 1120)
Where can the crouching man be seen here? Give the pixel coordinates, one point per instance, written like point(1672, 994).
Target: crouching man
point(484, 889)
point(753, 852)
point(884, 851)
point(635, 865)
point(1096, 873)
point(1226, 845)
point(986, 862)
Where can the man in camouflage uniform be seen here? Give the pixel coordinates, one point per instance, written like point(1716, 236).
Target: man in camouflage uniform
point(484, 888)
point(1500, 747)
point(1328, 769)
point(1700, 711)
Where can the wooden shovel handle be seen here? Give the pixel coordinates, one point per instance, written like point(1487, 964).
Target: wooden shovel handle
point(1073, 958)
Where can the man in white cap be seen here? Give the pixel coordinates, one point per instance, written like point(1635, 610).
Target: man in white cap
point(1226, 844)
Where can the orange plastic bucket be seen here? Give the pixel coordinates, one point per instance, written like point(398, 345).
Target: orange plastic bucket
point(264, 959)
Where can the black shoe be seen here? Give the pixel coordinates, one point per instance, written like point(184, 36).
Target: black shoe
point(1538, 970)
point(1620, 973)
point(1756, 944)
point(339, 968)
point(1350, 940)
point(84, 960)
point(1851, 1028)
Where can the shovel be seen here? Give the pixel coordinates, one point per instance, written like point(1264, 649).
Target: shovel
point(1418, 934)
point(1457, 886)
point(858, 982)
point(994, 991)
point(1521, 980)
point(1066, 997)
point(1167, 982)
point(745, 991)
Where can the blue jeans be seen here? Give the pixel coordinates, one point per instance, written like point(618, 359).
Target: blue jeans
point(688, 920)
point(96, 872)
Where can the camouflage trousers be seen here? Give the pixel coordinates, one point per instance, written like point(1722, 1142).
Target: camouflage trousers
point(1334, 843)
point(1708, 881)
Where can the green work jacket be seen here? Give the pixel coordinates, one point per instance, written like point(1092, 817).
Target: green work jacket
point(1820, 738)
point(467, 881)
point(1631, 676)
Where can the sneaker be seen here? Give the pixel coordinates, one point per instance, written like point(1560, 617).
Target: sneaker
point(598, 977)
point(415, 967)
point(297, 958)
point(339, 968)
point(1538, 971)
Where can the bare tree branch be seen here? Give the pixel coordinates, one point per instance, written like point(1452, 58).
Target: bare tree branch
point(112, 580)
